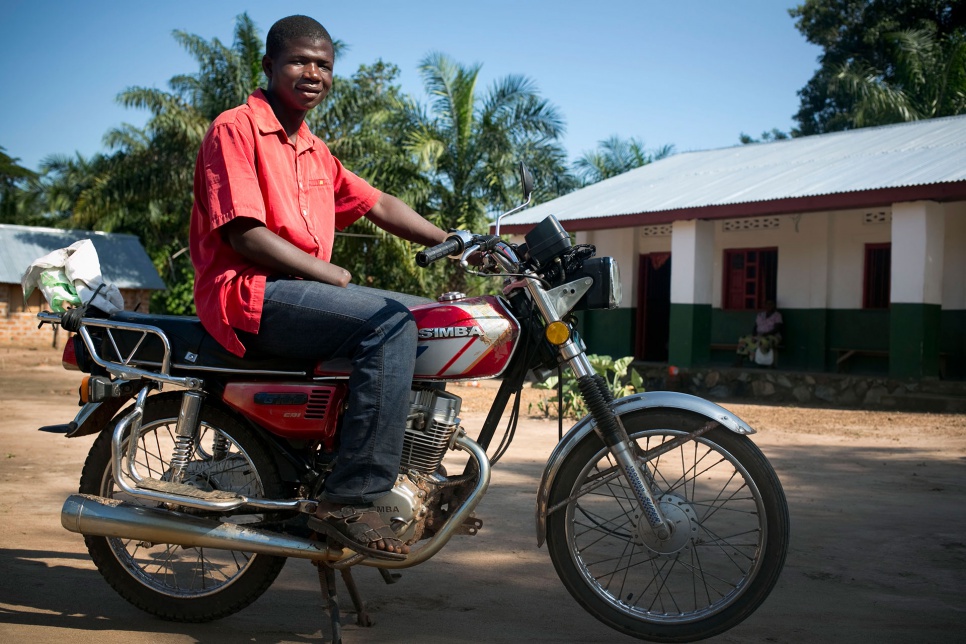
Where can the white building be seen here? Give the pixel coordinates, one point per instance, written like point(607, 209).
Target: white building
point(859, 236)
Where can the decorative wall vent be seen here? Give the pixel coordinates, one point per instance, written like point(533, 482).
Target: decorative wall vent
point(751, 223)
point(656, 231)
point(880, 217)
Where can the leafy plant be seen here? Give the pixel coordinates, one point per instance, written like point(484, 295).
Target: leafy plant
point(621, 379)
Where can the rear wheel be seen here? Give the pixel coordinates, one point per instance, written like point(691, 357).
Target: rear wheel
point(174, 582)
point(727, 547)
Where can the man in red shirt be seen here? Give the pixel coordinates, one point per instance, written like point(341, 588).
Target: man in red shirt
point(268, 198)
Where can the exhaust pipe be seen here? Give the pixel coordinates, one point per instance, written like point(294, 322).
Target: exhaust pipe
point(103, 517)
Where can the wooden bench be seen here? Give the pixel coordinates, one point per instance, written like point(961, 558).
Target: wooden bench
point(733, 347)
point(843, 355)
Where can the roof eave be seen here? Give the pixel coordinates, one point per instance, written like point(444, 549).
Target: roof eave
point(878, 198)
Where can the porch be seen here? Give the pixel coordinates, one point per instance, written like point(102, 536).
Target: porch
point(776, 386)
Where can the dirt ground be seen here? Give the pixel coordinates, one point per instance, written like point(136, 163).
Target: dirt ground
point(878, 549)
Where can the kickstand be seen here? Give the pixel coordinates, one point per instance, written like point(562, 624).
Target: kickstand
point(362, 615)
point(331, 598)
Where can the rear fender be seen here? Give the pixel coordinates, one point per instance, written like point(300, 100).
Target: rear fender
point(93, 417)
point(637, 402)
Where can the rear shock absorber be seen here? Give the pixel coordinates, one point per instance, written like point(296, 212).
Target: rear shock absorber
point(186, 434)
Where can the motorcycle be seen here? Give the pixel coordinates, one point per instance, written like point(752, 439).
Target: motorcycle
point(661, 516)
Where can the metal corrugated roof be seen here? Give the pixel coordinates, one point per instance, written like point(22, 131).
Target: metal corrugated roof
point(124, 261)
point(892, 156)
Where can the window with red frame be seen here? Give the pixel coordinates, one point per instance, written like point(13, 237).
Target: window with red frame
point(878, 276)
point(750, 278)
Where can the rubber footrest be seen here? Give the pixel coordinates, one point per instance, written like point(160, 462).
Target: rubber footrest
point(180, 489)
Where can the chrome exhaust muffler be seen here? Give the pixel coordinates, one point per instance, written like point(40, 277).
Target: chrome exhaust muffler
point(103, 517)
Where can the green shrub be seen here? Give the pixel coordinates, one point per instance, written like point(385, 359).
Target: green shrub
point(621, 380)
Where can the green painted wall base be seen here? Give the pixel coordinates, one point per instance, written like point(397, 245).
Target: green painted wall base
point(906, 341)
point(914, 331)
point(689, 344)
point(608, 332)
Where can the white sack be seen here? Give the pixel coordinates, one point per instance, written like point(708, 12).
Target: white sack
point(77, 263)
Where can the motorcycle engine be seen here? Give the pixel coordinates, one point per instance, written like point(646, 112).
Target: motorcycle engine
point(433, 418)
point(432, 421)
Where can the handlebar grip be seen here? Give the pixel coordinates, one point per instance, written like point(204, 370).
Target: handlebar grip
point(451, 246)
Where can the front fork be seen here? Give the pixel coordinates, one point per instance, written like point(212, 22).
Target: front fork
point(598, 398)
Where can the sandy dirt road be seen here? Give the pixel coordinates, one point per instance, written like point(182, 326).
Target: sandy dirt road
point(878, 550)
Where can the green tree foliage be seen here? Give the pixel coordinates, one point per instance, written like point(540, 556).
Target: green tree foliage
point(364, 124)
point(766, 137)
point(621, 378)
point(454, 162)
point(615, 156)
point(13, 177)
point(468, 143)
point(883, 61)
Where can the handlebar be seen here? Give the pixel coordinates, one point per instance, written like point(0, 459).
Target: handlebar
point(493, 253)
point(452, 246)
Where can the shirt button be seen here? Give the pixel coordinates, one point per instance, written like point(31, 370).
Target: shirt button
point(305, 212)
point(316, 239)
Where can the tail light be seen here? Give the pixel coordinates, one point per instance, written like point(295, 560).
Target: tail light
point(69, 359)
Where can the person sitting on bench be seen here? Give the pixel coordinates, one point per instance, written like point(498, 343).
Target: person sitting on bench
point(766, 335)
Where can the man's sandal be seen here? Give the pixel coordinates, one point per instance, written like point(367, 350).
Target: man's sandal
point(356, 528)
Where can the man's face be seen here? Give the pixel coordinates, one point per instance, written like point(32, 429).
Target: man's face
point(300, 76)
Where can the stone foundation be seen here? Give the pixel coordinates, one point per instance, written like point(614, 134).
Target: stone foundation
point(808, 389)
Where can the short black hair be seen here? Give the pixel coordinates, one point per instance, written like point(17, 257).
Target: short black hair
point(292, 28)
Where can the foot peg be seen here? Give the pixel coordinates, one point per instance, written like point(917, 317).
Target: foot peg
point(471, 526)
point(180, 489)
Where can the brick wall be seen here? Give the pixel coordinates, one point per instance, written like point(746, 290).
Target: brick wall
point(18, 323)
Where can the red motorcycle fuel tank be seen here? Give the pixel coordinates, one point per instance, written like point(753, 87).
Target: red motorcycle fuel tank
point(464, 339)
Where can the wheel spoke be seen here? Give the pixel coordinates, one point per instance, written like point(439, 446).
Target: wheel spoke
point(170, 569)
point(705, 492)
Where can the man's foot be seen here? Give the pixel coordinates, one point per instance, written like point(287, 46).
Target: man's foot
point(360, 529)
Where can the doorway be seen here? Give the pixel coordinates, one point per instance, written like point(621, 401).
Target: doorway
point(653, 307)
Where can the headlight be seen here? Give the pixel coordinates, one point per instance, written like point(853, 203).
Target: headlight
point(606, 291)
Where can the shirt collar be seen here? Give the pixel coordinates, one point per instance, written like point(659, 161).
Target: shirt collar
point(268, 123)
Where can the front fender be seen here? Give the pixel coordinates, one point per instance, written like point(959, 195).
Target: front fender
point(637, 402)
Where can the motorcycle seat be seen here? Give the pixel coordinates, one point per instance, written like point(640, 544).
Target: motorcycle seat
point(191, 346)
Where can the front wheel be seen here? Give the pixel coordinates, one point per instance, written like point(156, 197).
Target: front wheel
point(726, 550)
point(174, 582)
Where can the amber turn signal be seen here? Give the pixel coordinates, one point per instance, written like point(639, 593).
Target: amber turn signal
point(557, 333)
point(84, 391)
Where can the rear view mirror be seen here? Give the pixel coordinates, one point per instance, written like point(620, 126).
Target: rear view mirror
point(526, 180)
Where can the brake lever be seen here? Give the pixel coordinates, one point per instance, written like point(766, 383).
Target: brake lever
point(469, 250)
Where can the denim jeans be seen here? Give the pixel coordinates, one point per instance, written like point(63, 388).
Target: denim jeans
point(375, 331)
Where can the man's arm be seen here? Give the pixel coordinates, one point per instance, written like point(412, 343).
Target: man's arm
point(394, 216)
point(251, 239)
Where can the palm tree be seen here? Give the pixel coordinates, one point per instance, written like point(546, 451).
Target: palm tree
point(469, 143)
point(363, 123)
point(926, 80)
point(14, 206)
point(615, 156)
point(145, 186)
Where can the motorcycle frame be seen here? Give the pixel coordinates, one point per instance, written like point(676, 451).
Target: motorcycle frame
point(552, 305)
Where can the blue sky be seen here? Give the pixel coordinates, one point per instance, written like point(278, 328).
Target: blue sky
point(692, 73)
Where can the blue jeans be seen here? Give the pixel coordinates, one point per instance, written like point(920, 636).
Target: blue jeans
point(375, 331)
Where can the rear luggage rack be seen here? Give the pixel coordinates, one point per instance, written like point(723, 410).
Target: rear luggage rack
point(142, 360)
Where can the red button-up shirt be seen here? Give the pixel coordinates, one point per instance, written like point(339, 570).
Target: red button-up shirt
point(247, 167)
